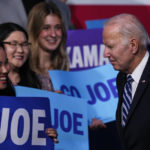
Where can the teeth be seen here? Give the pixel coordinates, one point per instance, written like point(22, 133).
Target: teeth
point(51, 40)
point(3, 78)
point(19, 57)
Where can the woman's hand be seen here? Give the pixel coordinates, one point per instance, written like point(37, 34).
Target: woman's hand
point(51, 132)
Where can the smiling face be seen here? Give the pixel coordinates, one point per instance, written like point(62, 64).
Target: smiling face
point(51, 34)
point(117, 49)
point(4, 69)
point(18, 55)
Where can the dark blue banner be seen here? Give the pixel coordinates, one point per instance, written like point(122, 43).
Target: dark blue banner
point(23, 122)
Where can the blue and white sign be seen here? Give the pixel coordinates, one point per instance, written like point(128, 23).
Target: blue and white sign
point(23, 122)
point(85, 49)
point(97, 85)
point(98, 23)
point(69, 117)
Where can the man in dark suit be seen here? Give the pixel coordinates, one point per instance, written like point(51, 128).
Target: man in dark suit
point(125, 41)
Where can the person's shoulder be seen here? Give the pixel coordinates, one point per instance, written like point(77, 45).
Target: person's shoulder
point(121, 76)
point(60, 4)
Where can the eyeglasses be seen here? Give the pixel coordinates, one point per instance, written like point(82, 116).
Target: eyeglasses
point(13, 45)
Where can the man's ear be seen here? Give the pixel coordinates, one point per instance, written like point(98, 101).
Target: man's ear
point(134, 45)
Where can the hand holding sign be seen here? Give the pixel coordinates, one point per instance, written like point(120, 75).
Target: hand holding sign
point(97, 86)
point(51, 132)
point(70, 122)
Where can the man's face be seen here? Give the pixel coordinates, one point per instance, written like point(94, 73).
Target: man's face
point(117, 51)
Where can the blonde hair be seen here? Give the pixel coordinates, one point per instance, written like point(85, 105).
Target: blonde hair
point(36, 18)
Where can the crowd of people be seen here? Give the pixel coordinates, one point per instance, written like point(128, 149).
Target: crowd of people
point(35, 49)
point(26, 61)
point(28, 53)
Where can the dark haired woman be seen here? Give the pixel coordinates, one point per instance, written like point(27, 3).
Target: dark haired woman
point(6, 88)
point(15, 41)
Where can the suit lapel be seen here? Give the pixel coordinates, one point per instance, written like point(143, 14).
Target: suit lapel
point(121, 80)
point(143, 84)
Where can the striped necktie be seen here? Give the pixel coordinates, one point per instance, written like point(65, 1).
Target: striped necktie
point(127, 99)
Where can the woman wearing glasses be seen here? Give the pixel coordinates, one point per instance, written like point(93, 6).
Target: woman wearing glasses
point(15, 41)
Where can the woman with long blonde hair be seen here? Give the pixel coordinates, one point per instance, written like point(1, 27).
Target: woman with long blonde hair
point(48, 36)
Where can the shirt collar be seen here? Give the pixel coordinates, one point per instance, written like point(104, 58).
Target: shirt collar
point(136, 75)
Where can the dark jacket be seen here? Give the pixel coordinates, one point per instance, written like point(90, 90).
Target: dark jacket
point(136, 134)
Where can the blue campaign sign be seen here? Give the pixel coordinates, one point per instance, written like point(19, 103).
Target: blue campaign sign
point(98, 23)
point(69, 117)
point(23, 122)
point(97, 85)
point(87, 50)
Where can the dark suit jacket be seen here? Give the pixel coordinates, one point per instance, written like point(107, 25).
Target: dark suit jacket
point(136, 134)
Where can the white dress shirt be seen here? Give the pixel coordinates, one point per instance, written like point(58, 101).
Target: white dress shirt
point(136, 75)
